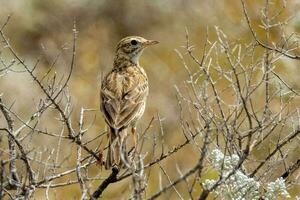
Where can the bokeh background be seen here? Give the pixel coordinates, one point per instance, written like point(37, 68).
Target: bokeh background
point(39, 29)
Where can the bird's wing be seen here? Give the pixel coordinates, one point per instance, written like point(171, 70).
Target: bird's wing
point(123, 97)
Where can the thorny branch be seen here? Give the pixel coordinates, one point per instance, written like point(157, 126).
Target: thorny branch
point(111, 179)
point(14, 178)
point(220, 108)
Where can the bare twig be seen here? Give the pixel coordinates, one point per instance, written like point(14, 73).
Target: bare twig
point(111, 179)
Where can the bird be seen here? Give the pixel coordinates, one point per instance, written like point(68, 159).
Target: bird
point(123, 95)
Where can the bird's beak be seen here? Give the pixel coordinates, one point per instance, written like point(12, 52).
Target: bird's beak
point(150, 42)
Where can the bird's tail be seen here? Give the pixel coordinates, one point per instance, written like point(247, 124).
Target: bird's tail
point(116, 151)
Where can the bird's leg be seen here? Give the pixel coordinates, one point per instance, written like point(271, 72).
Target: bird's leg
point(117, 151)
point(135, 138)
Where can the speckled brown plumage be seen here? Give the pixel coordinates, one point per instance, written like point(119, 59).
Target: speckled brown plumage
point(123, 96)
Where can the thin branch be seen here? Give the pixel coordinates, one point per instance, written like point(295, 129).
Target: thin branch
point(111, 179)
point(14, 178)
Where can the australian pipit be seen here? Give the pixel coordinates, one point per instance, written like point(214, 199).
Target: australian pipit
point(123, 95)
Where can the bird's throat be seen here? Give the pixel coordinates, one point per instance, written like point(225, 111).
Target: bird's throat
point(122, 60)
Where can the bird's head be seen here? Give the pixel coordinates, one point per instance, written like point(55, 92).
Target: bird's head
point(132, 47)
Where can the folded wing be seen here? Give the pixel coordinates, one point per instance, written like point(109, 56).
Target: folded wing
point(123, 96)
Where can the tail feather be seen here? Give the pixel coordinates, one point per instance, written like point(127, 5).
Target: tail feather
point(116, 145)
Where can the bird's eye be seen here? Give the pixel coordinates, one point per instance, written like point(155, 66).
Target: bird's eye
point(133, 42)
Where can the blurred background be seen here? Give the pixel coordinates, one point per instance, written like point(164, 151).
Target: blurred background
point(40, 29)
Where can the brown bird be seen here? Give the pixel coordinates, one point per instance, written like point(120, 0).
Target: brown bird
point(123, 95)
